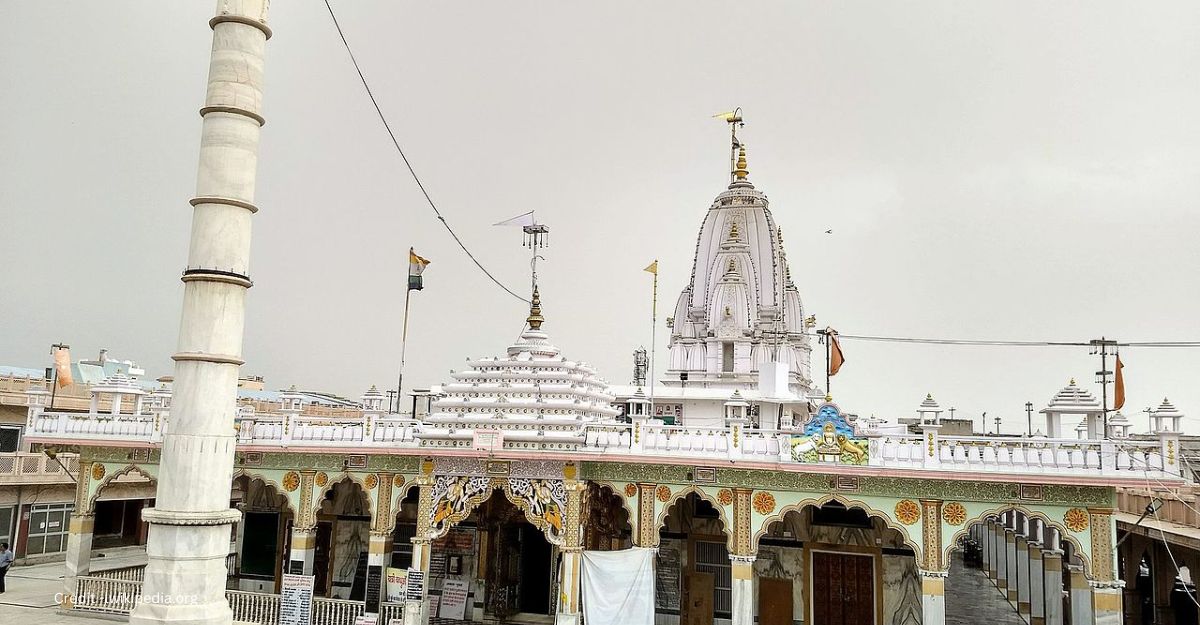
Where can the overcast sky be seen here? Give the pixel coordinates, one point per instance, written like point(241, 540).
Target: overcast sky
point(998, 170)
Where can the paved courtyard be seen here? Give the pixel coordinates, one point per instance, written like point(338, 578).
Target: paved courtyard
point(972, 599)
point(30, 597)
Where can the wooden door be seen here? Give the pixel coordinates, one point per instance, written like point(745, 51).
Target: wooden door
point(774, 601)
point(843, 589)
point(699, 597)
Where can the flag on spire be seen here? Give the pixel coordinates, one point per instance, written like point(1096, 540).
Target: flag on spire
point(62, 367)
point(652, 268)
point(1119, 386)
point(416, 265)
point(836, 359)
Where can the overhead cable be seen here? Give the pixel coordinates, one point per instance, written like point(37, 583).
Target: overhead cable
point(407, 164)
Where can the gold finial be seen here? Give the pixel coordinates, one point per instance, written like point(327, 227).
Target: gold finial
point(828, 397)
point(535, 318)
point(1072, 381)
point(929, 396)
point(741, 171)
point(733, 231)
point(732, 266)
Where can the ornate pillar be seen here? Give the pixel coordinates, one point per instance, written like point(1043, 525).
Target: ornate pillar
point(1081, 596)
point(416, 612)
point(1052, 584)
point(304, 529)
point(379, 551)
point(1106, 588)
point(933, 597)
point(1037, 588)
point(742, 559)
point(647, 529)
point(572, 551)
point(79, 550)
point(190, 523)
point(1001, 549)
point(79, 540)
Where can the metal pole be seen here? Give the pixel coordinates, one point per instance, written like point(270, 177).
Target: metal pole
point(403, 345)
point(1104, 386)
point(653, 333)
point(1029, 417)
point(828, 357)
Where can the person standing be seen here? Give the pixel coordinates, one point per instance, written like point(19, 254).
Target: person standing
point(6, 560)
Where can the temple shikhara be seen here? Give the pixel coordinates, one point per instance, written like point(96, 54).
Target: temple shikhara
point(731, 489)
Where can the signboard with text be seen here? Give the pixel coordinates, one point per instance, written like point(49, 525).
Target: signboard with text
point(295, 601)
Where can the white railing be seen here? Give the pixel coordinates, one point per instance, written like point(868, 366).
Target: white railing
point(391, 613)
point(134, 573)
point(1158, 458)
point(110, 596)
point(119, 596)
point(1024, 455)
point(253, 607)
point(30, 467)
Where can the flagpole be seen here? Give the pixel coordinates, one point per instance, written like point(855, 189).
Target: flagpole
point(653, 333)
point(403, 343)
point(828, 358)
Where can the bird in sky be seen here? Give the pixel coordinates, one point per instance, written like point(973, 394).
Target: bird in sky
point(829, 231)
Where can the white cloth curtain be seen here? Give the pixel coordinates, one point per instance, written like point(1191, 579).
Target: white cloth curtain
point(618, 587)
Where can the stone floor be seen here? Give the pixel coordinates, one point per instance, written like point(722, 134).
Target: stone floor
point(971, 598)
point(30, 598)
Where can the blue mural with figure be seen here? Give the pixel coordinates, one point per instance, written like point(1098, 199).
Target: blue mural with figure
point(828, 413)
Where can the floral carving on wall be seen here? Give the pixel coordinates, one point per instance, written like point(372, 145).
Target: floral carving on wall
point(1076, 519)
point(954, 513)
point(725, 496)
point(907, 511)
point(663, 493)
point(291, 481)
point(764, 502)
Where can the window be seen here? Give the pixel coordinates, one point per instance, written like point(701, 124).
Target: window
point(727, 357)
point(712, 557)
point(6, 524)
point(10, 438)
point(48, 525)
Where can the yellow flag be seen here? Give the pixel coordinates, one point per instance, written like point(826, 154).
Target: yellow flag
point(652, 268)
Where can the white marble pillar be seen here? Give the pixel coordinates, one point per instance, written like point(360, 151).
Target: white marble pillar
point(1001, 560)
point(1081, 596)
point(743, 589)
point(569, 577)
point(1037, 585)
point(1107, 598)
point(79, 550)
point(379, 553)
point(933, 598)
point(1052, 566)
point(417, 612)
point(303, 551)
point(1023, 584)
point(189, 525)
point(1010, 566)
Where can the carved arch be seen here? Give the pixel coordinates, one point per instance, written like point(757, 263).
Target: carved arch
point(287, 501)
point(131, 469)
point(1063, 533)
point(726, 524)
point(817, 502)
point(465, 493)
point(345, 476)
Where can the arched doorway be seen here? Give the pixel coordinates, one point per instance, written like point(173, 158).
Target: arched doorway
point(606, 520)
point(262, 534)
point(836, 564)
point(694, 580)
point(342, 541)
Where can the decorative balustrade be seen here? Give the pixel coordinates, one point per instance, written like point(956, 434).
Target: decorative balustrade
point(391, 613)
point(1179, 505)
point(119, 596)
point(28, 468)
point(1023, 455)
point(135, 573)
point(109, 596)
point(1128, 458)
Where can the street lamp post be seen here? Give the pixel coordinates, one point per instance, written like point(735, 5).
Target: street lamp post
point(1029, 416)
point(997, 425)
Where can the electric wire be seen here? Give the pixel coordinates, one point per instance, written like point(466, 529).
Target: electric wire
point(986, 342)
point(1162, 535)
point(411, 171)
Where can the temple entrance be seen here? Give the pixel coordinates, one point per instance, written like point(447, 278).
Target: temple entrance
point(343, 536)
point(843, 588)
point(262, 534)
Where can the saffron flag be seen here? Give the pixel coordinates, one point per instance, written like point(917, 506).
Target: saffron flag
point(652, 267)
point(416, 265)
point(1119, 386)
point(836, 359)
point(62, 366)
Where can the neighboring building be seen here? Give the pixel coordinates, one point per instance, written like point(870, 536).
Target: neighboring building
point(761, 503)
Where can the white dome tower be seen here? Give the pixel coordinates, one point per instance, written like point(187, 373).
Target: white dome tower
point(741, 309)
